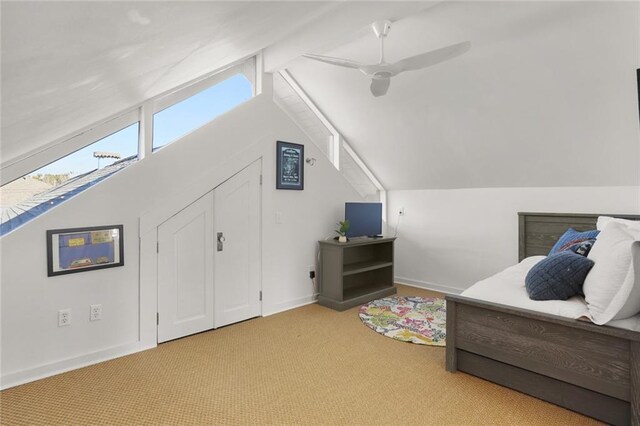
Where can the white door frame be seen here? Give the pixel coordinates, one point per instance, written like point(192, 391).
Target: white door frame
point(151, 252)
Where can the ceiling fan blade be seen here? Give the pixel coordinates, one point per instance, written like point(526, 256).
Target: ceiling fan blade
point(379, 86)
point(431, 58)
point(335, 61)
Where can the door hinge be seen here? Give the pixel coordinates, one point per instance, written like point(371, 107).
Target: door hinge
point(260, 179)
point(260, 295)
point(157, 318)
point(158, 247)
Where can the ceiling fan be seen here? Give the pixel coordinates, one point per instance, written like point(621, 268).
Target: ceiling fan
point(382, 72)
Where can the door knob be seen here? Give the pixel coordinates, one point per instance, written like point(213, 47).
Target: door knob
point(221, 241)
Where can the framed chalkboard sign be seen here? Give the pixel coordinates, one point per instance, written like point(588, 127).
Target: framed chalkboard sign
point(84, 249)
point(289, 166)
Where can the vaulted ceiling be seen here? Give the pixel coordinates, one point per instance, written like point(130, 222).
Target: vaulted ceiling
point(547, 88)
point(546, 96)
point(66, 65)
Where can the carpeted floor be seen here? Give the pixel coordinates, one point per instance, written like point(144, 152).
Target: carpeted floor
point(310, 365)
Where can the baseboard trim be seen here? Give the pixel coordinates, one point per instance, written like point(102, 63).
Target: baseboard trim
point(428, 286)
point(32, 374)
point(291, 304)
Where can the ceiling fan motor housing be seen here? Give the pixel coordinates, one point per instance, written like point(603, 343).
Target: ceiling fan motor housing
point(381, 28)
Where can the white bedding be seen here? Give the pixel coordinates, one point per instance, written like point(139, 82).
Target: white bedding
point(507, 288)
point(632, 323)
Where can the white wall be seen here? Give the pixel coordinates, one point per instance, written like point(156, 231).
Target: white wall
point(449, 239)
point(140, 197)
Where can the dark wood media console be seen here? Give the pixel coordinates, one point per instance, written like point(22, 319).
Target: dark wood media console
point(355, 272)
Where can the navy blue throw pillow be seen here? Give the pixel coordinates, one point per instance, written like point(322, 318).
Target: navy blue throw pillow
point(572, 237)
point(558, 277)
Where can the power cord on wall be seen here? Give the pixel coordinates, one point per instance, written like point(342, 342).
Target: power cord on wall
point(395, 234)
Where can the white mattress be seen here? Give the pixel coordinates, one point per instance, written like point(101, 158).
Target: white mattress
point(507, 288)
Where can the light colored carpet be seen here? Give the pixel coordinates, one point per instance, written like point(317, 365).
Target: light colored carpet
point(311, 365)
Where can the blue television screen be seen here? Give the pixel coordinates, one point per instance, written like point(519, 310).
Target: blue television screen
point(365, 219)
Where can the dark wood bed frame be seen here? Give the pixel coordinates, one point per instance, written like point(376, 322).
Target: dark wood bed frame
point(591, 369)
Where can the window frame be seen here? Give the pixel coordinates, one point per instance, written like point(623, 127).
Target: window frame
point(143, 112)
point(37, 160)
point(37, 210)
point(247, 68)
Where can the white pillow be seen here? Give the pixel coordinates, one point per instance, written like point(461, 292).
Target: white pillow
point(611, 281)
point(632, 305)
point(603, 221)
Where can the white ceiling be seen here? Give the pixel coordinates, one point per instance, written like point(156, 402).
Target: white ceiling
point(545, 82)
point(546, 97)
point(68, 65)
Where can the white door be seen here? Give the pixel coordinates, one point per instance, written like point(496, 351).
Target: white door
point(186, 247)
point(237, 256)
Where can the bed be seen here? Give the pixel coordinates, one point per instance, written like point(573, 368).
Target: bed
point(587, 368)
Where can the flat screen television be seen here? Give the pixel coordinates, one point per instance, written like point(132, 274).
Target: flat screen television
point(365, 219)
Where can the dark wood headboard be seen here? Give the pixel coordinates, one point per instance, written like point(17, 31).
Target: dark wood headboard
point(538, 232)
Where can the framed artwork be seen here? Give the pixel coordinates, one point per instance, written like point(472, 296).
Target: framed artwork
point(84, 249)
point(289, 166)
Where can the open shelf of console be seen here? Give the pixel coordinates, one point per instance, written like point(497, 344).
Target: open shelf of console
point(359, 267)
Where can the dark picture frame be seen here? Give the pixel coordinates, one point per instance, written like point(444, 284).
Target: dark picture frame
point(638, 76)
point(74, 250)
point(289, 166)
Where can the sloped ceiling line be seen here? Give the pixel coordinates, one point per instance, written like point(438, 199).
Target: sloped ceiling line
point(301, 109)
point(544, 82)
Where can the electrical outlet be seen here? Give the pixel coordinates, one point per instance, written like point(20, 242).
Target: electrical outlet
point(401, 211)
point(95, 313)
point(278, 218)
point(312, 271)
point(64, 317)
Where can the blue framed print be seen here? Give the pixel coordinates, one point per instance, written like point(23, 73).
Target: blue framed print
point(84, 249)
point(289, 166)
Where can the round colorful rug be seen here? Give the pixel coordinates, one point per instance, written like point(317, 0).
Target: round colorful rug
point(420, 320)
